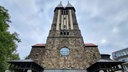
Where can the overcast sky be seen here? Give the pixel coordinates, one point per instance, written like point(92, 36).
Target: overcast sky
point(102, 22)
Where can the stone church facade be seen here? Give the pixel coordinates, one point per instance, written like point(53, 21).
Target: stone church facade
point(65, 48)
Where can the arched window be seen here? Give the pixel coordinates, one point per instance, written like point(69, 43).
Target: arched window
point(64, 33)
point(67, 33)
point(61, 33)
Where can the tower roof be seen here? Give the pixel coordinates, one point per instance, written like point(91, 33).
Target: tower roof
point(69, 5)
point(60, 4)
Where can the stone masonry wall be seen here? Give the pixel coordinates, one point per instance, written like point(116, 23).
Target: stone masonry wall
point(80, 57)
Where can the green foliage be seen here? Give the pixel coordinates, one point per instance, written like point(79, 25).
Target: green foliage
point(7, 40)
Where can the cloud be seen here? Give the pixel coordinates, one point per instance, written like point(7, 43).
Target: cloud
point(103, 22)
point(30, 21)
point(104, 19)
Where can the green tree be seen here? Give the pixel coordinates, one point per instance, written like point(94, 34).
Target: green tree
point(8, 40)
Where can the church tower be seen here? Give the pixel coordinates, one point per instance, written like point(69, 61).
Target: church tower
point(65, 48)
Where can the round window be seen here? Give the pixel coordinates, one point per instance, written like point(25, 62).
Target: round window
point(64, 51)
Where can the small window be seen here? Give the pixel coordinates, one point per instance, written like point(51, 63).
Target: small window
point(67, 33)
point(64, 33)
point(64, 26)
point(61, 33)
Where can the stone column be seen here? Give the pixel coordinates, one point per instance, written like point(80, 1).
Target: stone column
point(29, 70)
point(67, 22)
point(7, 71)
point(58, 20)
point(62, 20)
point(71, 20)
